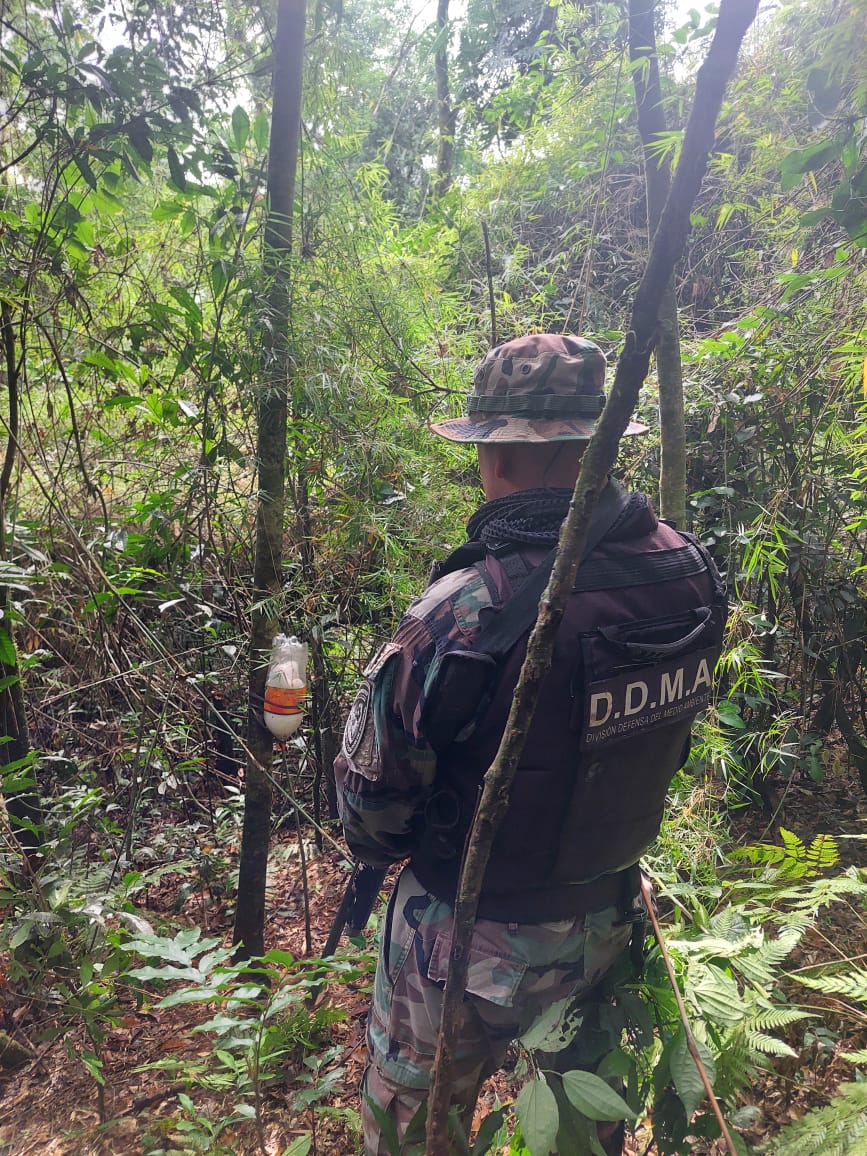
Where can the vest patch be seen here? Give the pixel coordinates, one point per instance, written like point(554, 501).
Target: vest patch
point(647, 697)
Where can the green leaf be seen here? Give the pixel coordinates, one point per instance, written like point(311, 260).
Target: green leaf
point(219, 280)
point(167, 210)
point(486, 1135)
point(240, 127)
point(593, 1098)
point(685, 1073)
point(537, 1111)
point(83, 166)
point(93, 1064)
point(300, 1146)
point(140, 138)
point(7, 649)
point(279, 955)
point(20, 935)
point(807, 160)
point(166, 972)
point(261, 131)
point(730, 716)
point(717, 997)
point(176, 169)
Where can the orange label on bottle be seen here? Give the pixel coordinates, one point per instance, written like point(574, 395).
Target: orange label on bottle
point(282, 700)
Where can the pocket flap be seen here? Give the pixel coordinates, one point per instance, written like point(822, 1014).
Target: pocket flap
point(492, 974)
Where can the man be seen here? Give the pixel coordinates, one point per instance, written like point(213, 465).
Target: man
point(630, 669)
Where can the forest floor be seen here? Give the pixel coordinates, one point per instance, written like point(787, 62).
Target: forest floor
point(49, 1106)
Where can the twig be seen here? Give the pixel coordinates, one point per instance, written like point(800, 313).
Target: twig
point(302, 860)
point(141, 1102)
point(690, 1038)
point(90, 486)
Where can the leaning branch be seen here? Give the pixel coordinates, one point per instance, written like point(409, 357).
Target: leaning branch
point(735, 17)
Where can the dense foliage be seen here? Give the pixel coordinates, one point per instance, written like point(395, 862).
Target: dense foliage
point(132, 168)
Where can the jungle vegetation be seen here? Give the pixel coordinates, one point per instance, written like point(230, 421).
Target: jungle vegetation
point(248, 253)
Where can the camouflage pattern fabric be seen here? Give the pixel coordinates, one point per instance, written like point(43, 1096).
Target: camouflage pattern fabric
point(380, 813)
point(517, 972)
point(538, 388)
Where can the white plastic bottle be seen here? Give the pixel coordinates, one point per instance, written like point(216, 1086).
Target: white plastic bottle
point(286, 686)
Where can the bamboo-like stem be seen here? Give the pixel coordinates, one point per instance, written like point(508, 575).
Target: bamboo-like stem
point(490, 272)
point(735, 17)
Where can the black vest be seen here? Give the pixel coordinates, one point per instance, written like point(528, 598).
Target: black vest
point(631, 668)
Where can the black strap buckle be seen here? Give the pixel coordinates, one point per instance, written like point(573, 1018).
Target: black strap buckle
point(633, 915)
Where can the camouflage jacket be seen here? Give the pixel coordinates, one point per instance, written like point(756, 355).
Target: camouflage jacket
point(386, 765)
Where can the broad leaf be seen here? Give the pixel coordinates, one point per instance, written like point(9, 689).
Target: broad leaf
point(593, 1098)
point(240, 127)
point(685, 1073)
point(537, 1111)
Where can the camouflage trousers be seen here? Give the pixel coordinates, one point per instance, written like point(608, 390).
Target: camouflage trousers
point(517, 974)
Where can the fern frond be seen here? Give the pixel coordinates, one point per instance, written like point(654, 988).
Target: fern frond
point(810, 898)
point(795, 848)
point(759, 966)
point(730, 924)
point(735, 1065)
point(851, 984)
point(822, 853)
point(794, 860)
point(859, 1057)
point(840, 1129)
point(768, 1045)
point(775, 1018)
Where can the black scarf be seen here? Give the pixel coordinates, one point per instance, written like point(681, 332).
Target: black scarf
point(531, 517)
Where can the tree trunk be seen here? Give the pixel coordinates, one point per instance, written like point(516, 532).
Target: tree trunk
point(651, 123)
point(446, 115)
point(275, 381)
point(23, 802)
point(735, 16)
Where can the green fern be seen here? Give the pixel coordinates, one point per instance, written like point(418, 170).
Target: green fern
point(794, 860)
point(736, 1064)
point(760, 965)
point(768, 1045)
point(798, 906)
point(840, 1129)
point(851, 984)
point(775, 1018)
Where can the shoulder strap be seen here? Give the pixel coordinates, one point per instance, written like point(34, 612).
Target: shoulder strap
point(520, 612)
point(466, 555)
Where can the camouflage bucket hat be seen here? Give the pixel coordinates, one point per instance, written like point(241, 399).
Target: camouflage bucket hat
point(540, 388)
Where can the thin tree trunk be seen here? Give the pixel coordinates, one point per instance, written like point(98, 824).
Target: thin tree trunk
point(275, 381)
point(446, 115)
point(23, 804)
point(323, 713)
point(735, 16)
point(651, 124)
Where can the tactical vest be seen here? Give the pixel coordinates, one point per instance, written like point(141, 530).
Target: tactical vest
point(632, 666)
